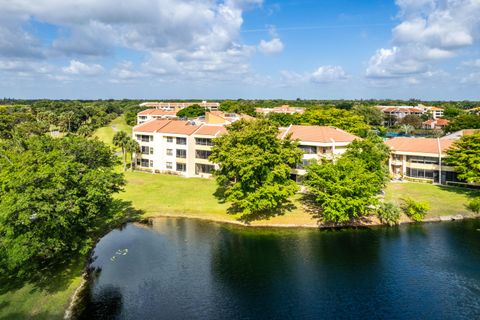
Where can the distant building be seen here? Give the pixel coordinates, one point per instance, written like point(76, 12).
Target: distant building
point(150, 114)
point(283, 109)
point(435, 124)
point(176, 106)
point(397, 113)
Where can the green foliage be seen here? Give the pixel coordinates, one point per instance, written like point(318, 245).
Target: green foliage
point(474, 205)
point(412, 120)
point(284, 119)
point(389, 213)
point(343, 119)
point(464, 121)
point(450, 112)
point(55, 197)
point(371, 115)
point(415, 210)
point(465, 157)
point(192, 111)
point(254, 168)
point(121, 139)
point(343, 190)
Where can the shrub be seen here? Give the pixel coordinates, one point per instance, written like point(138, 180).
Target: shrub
point(415, 210)
point(389, 213)
point(474, 205)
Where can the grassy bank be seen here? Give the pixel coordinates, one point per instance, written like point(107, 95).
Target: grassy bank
point(106, 134)
point(443, 200)
point(44, 299)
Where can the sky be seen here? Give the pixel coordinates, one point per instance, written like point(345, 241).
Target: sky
point(231, 49)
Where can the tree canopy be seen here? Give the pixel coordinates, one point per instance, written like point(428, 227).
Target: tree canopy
point(192, 111)
point(55, 197)
point(464, 121)
point(465, 157)
point(343, 119)
point(254, 168)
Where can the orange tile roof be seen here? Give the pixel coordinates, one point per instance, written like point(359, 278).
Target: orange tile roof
point(157, 112)
point(209, 130)
point(151, 126)
point(178, 127)
point(320, 134)
point(419, 145)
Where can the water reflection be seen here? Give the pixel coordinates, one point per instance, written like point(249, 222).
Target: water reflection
point(185, 269)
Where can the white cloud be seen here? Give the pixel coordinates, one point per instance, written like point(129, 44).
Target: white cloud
point(328, 74)
point(429, 31)
point(271, 47)
point(79, 68)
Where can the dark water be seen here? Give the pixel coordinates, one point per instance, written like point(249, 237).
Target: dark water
point(187, 269)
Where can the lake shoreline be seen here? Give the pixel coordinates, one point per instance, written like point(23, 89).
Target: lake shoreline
point(262, 225)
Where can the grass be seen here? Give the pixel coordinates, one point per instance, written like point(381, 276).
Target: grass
point(162, 195)
point(106, 134)
point(45, 299)
point(443, 200)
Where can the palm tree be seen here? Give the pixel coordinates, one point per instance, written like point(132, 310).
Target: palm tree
point(133, 147)
point(407, 129)
point(120, 139)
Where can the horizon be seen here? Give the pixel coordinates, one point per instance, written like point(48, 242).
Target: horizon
point(240, 49)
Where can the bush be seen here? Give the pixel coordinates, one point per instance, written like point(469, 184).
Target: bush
point(389, 213)
point(474, 205)
point(415, 210)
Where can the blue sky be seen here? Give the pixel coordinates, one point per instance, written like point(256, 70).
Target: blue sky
point(207, 49)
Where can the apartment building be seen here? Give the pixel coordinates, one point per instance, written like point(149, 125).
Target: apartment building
point(421, 159)
point(149, 114)
point(283, 109)
point(175, 106)
point(435, 124)
point(183, 147)
point(396, 113)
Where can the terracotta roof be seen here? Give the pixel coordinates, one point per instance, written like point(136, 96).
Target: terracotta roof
point(178, 127)
point(436, 109)
point(320, 134)
point(151, 126)
point(419, 145)
point(157, 112)
point(209, 130)
point(402, 109)
point(442, 122)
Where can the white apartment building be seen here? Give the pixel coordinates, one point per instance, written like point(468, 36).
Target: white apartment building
point(175, 106)
point(183, 147)
point(149, 114)
point(395, 113)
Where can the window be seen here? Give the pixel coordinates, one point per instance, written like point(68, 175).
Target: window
point(305, 162)
point(202, 154)
point(308, 149)
point(151, 163)
point(145, 150)
point(142, 117)
point(144, 138)
point(144, 163)
point(182, 141)
point(169, 152)
point(422, 173)
point(169, 139)
point(426, 160)
point(182, 167)
point(169, 165)
point(181, 153)
point(203, 168)
point(151, 150)
point(204, 141)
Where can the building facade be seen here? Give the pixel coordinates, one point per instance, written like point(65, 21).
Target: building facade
point(183, 147)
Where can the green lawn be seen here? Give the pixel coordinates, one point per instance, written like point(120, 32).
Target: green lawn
point(443, 200)
point(106, 134)
point(47, 299)
point(160, 195)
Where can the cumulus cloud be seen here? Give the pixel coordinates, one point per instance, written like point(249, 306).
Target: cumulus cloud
point(195, 37)
point(429, 31)
point(271, 47)
point(79, 68)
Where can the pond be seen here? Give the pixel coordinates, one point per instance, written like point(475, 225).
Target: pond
point(190, 269)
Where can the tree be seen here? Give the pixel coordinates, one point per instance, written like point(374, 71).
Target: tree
point(406, 129)
point(85, 130)
point(120, 139)
point(464, 155)
point(192, 111)
point(412, 120)
point(450, 112)
point(464, 121)
point(254, 168)
point(133, 147)
point(372, 115)
point(344, 190)
point(55, 199)
point(343, 119)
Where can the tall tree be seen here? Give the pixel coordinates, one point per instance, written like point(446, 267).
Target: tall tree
point(343, 119)
point(120, 139)
point(254, 168)
point(192, 111)
point(372, 115)
point(465, 157)
point(133, 148)
point(412, 120)
point(464, 121)
point(55, 198)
